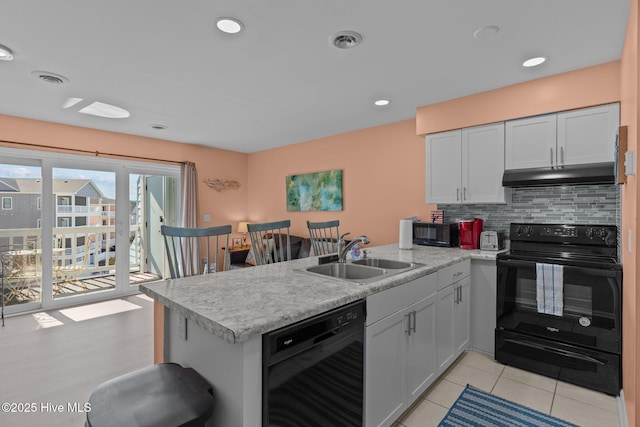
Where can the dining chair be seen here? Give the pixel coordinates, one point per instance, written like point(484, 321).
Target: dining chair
point(185, 246)
point(270, 242)
point(68, 274)
point(324, 236)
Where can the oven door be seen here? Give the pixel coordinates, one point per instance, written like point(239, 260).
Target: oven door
point(591, 315)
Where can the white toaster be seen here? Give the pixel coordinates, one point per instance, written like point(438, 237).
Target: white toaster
point(492, 240)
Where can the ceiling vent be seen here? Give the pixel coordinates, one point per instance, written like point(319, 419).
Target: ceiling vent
point(346, 39)
point(52, 78)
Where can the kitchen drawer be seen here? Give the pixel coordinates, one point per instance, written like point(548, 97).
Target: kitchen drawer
point(453, 273)
point(387, 302)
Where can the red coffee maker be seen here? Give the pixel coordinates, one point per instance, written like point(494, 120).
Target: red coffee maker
point(470, 230)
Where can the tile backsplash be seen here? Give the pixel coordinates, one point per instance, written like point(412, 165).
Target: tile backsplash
point(574, 204)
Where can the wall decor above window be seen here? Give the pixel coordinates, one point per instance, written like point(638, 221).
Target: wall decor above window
point(318, 191)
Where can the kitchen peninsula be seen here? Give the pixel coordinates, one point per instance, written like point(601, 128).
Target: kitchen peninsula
point(227, 314)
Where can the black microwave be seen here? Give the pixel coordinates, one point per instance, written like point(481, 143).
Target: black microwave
point(435, 234)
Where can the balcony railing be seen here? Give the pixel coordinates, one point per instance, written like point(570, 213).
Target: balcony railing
point(22, 270)
point(72, 209)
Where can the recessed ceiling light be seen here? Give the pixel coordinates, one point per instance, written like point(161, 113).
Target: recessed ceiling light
point(532, 62)
point(486, 32)
point(382, 102)
point(101, 109)
point(5, 53)
point(229, 25)
point(346, 39)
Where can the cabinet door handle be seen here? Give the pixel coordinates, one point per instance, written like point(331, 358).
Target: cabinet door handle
point(551, 150)
point(464, 194)
point(562, 156)
point(413, 314)
point(457, 194)
point(460, 293)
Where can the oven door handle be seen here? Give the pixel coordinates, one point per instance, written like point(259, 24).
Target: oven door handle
point(599, 272)
point(558, 351)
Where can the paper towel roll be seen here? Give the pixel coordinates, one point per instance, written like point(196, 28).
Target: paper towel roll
point(406, 234)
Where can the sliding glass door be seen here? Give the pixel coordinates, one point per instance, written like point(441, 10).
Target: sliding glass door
point(20, 234)
point(84, 232)
point(153, 204)
point(75, 229)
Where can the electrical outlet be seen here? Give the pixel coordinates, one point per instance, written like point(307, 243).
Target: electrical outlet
point(182, 327)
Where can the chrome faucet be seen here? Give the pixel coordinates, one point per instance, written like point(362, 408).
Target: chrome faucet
point(344, 247)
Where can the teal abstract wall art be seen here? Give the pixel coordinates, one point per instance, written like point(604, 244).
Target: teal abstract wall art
point(318, 191)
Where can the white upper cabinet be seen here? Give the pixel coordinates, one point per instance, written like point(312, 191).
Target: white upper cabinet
point(444, 169)
point(588, 135)
point(483, 164)
point(466, 166)
point(530, 142)
point(574, 137)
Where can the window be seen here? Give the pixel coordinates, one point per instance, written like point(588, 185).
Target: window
point(7, 203)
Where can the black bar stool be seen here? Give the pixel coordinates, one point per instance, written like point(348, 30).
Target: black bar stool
point(164, 395)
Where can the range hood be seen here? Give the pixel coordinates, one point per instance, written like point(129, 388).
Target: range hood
point(596, 173)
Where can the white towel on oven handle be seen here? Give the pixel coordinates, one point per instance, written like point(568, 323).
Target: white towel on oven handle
point(549, 288)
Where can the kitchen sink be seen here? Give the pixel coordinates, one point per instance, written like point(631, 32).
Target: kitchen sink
point(346, 271)
point(362, 272)
point(384, 263)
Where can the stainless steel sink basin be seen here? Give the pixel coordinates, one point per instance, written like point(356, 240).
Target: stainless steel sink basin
point(362, 272)
point(346, 271)
point(384, 263)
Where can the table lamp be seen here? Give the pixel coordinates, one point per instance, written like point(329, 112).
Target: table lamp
point(242, 228)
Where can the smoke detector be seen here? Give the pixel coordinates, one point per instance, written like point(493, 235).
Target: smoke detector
point(52, 78)
point(346, 39)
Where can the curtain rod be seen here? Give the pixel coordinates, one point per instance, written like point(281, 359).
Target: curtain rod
point(95, 153)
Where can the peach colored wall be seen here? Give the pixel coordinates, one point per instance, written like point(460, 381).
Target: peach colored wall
point(383, 180)
point(629, 117)
point(595, 85)
point(225, 207)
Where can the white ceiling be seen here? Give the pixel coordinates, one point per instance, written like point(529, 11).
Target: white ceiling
point(280, 81)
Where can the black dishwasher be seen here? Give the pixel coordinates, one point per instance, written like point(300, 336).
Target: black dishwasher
point(312, 371)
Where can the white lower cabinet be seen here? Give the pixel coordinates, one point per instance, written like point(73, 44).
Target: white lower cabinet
point(400, 342)
point(453, 325)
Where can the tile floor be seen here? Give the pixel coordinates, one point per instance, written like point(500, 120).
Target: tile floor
point(575, 404)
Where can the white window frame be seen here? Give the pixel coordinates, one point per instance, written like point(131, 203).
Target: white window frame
point(10, 199)
point(47, 161)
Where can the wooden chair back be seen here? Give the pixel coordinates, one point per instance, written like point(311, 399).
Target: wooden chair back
point(189, 250)
point(270, 242)
point(324, 236)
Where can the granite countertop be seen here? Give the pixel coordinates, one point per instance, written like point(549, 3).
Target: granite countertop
point(238, 305)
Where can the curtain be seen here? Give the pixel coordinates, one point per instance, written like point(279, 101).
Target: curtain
point(188, 195)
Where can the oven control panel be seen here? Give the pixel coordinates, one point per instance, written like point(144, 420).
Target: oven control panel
point(601, 235)
point(562, 231)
